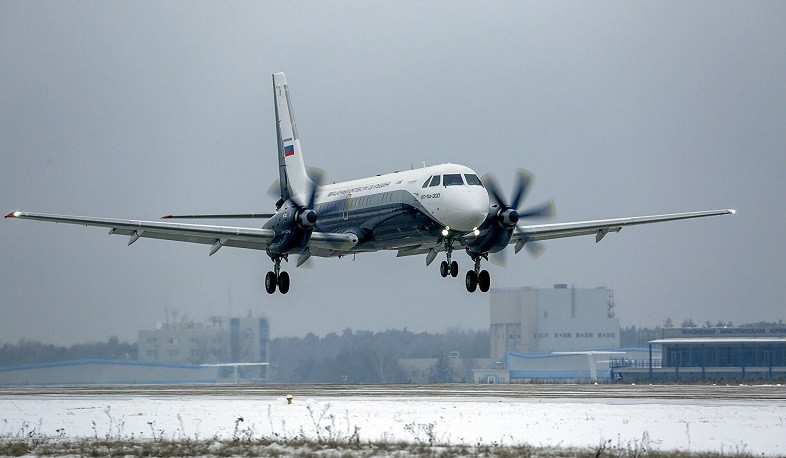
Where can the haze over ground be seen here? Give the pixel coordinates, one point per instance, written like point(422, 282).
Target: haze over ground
point(140, 109)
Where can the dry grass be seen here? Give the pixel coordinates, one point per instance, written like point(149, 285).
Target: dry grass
point(57, 446)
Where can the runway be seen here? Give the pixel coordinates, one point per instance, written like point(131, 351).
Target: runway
point(528, 391)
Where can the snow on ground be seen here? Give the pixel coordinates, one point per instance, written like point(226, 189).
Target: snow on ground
point(706, 425)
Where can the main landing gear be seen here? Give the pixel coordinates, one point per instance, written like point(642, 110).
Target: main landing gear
point(277, 278)
point(478, 278)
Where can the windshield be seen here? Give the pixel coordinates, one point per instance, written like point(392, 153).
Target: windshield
point(473, 179)
point(453, 180)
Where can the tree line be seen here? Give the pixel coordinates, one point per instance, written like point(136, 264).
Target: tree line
point(369, 357)
point(31, 352)
point(348, 357)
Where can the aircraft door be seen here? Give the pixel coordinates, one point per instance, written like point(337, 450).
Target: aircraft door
point(348, 204)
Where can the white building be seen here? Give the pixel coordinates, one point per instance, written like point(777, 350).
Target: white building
point(555, 334)
point(559, 319)
point(241, 340)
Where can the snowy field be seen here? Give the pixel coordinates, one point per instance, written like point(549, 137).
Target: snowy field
point(711, 425)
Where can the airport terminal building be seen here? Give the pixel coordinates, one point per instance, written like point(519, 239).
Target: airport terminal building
point(708, 354)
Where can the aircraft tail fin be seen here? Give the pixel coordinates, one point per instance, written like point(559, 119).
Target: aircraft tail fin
point(293, 179)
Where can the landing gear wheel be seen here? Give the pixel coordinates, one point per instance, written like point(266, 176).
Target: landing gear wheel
point(454, 269)
point(484, 280)
point(270, 282)
point(443, 269)
point(283, 282)
point(471, 281)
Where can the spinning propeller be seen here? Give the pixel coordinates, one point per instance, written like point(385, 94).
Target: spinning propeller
point(508, 215)
point(306, 217)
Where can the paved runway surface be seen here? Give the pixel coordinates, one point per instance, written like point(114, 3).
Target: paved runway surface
point(720, 392)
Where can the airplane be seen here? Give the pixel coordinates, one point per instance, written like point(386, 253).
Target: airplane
point(424, 211)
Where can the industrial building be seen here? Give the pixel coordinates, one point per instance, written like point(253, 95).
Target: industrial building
point(708, 354)
point(559, 333)
point(547, 320)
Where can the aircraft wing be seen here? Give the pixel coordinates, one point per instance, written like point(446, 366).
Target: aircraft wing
point(218, 236)
point(599, 228)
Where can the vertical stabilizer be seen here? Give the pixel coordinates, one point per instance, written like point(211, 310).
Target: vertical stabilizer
point(292, 170)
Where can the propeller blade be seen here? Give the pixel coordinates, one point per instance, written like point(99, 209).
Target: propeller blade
point(499, 258)
point(316, 182)
point(275, 189)
point(491, 186)
point(544, 210)
point(525, 179)
point(315, 173)
point(535, 249)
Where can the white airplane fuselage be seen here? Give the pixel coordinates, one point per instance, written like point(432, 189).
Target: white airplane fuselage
point(400, 209)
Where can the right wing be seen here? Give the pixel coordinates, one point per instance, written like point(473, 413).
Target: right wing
point(221, 216)
point(218, 236)
point(326, 243)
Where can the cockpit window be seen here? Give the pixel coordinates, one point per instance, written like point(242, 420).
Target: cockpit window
point(434, 181)
point(453, 180)
point(473, 179)
point(427, 181)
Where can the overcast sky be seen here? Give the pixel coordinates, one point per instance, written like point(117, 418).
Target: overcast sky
point(140, 109)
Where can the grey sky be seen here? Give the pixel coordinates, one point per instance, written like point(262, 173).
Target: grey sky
point(139, 109)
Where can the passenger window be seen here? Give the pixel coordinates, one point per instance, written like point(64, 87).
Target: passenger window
point(434, 181)
point(473, 179)
point(427, 181)
point(453, 180)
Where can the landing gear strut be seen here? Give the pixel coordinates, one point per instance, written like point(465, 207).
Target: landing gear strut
point(448, 267)
point(277, 278)
point(477, 278)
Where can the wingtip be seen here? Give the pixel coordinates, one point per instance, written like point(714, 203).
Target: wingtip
point(13, 214)
point(167, 216)
point(732, 211)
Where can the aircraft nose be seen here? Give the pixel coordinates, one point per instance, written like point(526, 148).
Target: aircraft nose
point(471, 211)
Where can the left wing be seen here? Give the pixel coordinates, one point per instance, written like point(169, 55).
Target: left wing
point(599, 228)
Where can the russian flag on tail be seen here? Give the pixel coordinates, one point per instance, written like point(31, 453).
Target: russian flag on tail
point(289, 150)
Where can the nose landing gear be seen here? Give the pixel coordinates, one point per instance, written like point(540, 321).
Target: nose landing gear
point(477, 278)
point(448, 267)
point(277, 278)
